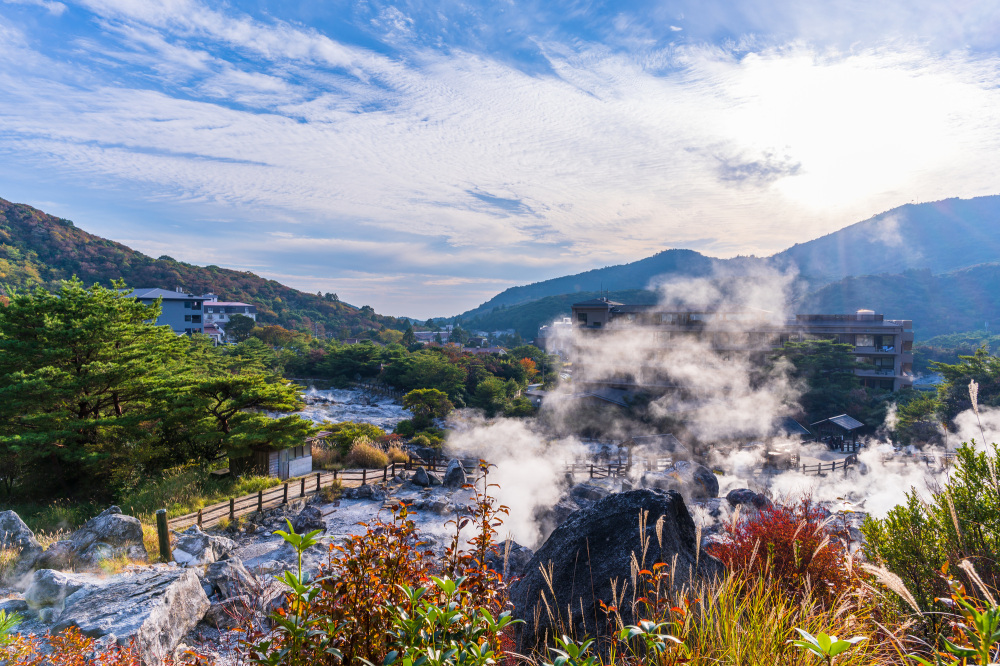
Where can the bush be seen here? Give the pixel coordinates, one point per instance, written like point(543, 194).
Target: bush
point(792, 547)
point(405, 428)
point(71, 648)
point(333, 491)
point(343, 435)
point(366, 455)
point(325, 457)
point(397, 455)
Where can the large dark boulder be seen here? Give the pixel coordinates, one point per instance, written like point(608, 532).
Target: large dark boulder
point(595, 545)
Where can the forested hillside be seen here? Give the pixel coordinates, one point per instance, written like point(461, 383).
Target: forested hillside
point(40, 249)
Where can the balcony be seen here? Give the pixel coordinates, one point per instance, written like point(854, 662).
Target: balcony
point(876, 372)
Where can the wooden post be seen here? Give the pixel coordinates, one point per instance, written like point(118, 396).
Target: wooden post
point(232, 509)
point(199, 518)
point(284, 497)
point(334, 475)
point(302, 488)
point(364, 477)
point(163, 532)
point(317, 481)
point(260, 501)
point(385, 473)
point(591, 470)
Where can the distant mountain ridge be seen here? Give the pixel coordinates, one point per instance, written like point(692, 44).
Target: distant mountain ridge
point(956, 239)
point(40, 249)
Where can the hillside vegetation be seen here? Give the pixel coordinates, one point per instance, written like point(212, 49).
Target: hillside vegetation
point(40, 249)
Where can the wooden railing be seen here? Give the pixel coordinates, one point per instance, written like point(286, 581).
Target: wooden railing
point(820, 468)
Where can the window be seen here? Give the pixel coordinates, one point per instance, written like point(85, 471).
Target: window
point(582, 317)
point(196, 319)
point(187, 317)
point(668, 319)
point(187, 305)
point(196, 305)
point(864, 340)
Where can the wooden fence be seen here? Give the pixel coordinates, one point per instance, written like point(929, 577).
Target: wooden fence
point(382, 389)
point(832, 466)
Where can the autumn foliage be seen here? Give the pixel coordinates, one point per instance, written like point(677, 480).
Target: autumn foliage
point(792, 546)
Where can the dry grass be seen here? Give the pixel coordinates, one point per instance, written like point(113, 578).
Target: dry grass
point(325, 457)
point(367, 456)
point(397, 455)
point(333, 491)
point(8, 558)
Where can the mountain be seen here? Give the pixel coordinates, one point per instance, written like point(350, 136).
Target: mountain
point(941, 236)
point(935, 238)
point(961, 300)
point(636, 275)
point(40, 249)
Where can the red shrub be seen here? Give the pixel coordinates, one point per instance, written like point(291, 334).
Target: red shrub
point(788, 545)
point(71, 648)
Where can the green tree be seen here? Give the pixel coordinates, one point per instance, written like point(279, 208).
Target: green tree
point(953, 392)
point(491, 396)
point(409, 338)
point(827, 370)
point(239, 328)
point(426, 405)
point(83, 375)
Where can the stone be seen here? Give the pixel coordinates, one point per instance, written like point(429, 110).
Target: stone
point(440, 507)
point(90, 558)
point(747, 498)
point(14, 534)
point(517, 558)
point(193, 547)
point(156, 609)
point(594, 546)
point(11, 606)
point(588, 492)
point(229, 578)
point(627, 485)
point(224, 614)
point(454, 476)
point(111, 527)
point(692, 480)
point(420, 478)
point(57, 556)
point(310, 518)
point(370, 491)
point(51, 589)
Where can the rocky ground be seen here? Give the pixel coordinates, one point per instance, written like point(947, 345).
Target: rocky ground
point(218, 576)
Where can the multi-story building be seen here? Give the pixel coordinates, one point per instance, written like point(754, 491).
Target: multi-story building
point(180, 311)
point(190, 313)
point(883, 345)
point(218, 312)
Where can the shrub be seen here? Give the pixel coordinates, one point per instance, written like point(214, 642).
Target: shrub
point(71, 648)
point(397, 455)
point(405, 428)
point(333, 491)
point(343, 435)
point(791, 546)
point(421, 440)
point(325, 457)
point(364, 454)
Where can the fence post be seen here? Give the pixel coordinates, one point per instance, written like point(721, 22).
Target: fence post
point(232, 509)
point(334, 475)
point(260, 501)
point(284, 497)
point(199, 518)
point(317, 481)
point(364, 477)
point(385, 473)
point(163, 532)
point(302, 488)
point(591, 470)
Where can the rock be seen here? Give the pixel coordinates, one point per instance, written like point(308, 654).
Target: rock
point(57, 556)
point(111, 527)
point(156, 609)
point(454, 476)
point(11, 606)
point(588, 492)
point(194, 547)
point(690, 479)
point(517, 558)
point(440, 507)
point(627, 485)
point(748, 498)
point(230, 578)
point(14, 534)
point(51, 589)
point(224, 614)
point(309, 519)
point(371, 491)
point(91, 557)
point(421, 478)
point(594, 546)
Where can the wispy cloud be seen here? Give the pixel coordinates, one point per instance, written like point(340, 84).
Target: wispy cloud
point(409, 147)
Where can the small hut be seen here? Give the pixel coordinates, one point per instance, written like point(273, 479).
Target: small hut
point(789, 427)
point(270, 461)
point(839, 432)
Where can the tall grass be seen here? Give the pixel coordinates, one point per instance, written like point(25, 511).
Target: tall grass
point(366, 455)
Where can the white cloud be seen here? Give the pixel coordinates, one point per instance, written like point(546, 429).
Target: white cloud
point(54, 8)
point(448, 158)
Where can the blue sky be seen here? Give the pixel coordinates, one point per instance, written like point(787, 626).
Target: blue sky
point(420, 157)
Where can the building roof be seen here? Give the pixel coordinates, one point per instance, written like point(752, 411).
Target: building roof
point(596, 303)
point(791, 427)
point(151, 293)
point(844, 421)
